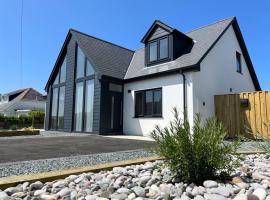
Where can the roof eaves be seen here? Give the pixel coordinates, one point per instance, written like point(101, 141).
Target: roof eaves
point(246, 55)
point(58, 59)
point(195, 67)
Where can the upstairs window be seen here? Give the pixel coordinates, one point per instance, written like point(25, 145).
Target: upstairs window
point(61, 75)
point(158, 50)
point(153, 51)
point(163, 48)
point(148, 103)
point(238, 62)
point(58, 99)
point(84, 94)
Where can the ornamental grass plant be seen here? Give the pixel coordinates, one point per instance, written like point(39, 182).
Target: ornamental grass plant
point(196, 154)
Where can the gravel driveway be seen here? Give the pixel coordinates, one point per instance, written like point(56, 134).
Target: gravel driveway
point(23, 149)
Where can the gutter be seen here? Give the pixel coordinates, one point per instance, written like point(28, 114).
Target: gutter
point(184, 95)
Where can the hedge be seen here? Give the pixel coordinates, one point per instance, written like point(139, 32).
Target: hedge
point(33, 118)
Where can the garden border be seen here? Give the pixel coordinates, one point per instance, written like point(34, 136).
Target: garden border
point(11, 181)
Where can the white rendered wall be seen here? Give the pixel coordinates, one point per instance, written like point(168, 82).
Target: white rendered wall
point(172, 96)
point(218, 74)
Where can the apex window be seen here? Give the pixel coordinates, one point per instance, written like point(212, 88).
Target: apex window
point(238, 62)
point(58, 98)
point(158, 50)
point(148, 103)
point(84, 94)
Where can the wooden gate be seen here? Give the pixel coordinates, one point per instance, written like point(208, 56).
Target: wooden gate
point(246, 114)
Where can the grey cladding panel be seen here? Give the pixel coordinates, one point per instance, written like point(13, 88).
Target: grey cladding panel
point(69, 93)
point(159, 32)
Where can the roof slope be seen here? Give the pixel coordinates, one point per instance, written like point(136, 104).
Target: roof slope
point(204, 38)
point(115, 61)
point(108, 59)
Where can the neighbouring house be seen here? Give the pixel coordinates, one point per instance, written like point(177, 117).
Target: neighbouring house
point(103, 88)
point(21, 102)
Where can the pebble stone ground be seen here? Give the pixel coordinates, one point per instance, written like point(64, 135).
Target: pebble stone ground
point(152, 180)
point(45, 165)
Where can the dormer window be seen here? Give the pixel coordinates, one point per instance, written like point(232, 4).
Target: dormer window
point(158, 49)
point(163, 48)
point(153, 51)
point(164, 44)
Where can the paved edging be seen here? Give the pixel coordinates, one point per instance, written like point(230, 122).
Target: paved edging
point(59, 174)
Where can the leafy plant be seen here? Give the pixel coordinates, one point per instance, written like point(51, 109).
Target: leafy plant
point(195, 154)
point(13, 127)
point(30, 128)
point(2, 117)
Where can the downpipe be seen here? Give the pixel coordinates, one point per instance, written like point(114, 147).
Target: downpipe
point(184, 95)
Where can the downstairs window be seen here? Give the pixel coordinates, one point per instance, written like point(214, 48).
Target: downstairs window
point(148, 103)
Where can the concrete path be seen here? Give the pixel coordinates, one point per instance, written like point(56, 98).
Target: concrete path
point(23, 149)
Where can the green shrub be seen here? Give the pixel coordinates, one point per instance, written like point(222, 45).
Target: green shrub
point(30, 128)
point(198, 154)
point(13, 127)
point(2, 117)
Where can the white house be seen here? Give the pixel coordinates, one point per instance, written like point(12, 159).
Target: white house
point(130, 92)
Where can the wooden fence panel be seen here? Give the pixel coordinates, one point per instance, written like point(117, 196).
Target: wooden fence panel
point(249, 121)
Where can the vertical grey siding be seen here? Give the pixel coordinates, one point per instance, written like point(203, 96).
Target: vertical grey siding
point(158, 33)
point(69, 93)
point(48, 108)
point(97, 97)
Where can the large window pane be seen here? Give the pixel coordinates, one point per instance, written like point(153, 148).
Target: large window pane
point(54, 108)
point(56, 81)
point(78, 115)
point(89, 105)
point(61, 108)
point(157, 105)
point(163, 48)
point(63, 72)
point(80, 63)
point(148, 102)
point(89, 69)
point(139, 104)
point(153, 51)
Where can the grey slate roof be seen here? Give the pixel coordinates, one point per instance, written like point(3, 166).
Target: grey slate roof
point(108, 59)
point(204, 38)
point(119, 62)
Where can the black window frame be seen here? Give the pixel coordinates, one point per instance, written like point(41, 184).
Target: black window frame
point(83, 79)
point(158, 60)
point(144, 115)
point(238, 62)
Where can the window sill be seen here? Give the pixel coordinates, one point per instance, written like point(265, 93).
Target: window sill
point(239, 72)
point(152, 63)
point(148, 117)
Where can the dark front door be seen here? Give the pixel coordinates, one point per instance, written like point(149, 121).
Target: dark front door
point(115, 116)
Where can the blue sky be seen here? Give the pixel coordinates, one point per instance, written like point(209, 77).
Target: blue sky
point(46, 23)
